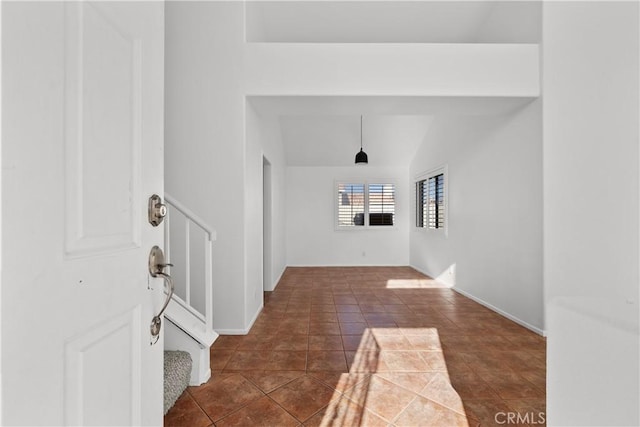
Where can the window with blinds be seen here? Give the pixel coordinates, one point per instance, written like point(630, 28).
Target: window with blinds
point(365, 205)
point(382, 204)
point(430, 202)
point(350, 205)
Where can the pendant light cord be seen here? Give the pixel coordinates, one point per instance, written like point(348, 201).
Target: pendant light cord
point(361, 157)
point(360, 133)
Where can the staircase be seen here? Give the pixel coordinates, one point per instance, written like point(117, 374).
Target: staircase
point(177, 371)
point(189, 315)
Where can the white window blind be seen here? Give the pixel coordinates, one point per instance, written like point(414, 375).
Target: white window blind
point(366, 205)
point(382, 204)
point(350, 205)
point(430, 202)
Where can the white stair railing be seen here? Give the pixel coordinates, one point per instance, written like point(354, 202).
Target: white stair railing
point(184, 297)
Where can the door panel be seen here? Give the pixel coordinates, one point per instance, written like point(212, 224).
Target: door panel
point(103, 129)
point(82, 150)
point(98, 361)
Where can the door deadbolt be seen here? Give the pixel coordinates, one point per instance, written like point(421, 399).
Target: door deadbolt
point(157, 210)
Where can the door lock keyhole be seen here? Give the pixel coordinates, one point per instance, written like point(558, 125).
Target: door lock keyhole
point(157, 210)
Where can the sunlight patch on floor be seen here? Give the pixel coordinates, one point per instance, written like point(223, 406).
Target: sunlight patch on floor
point(415, 284)
point(396, 377)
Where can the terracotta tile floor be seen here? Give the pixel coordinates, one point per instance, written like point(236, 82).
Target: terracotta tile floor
point(369, 346)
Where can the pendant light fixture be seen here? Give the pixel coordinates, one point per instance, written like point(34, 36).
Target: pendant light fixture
point(361, 157)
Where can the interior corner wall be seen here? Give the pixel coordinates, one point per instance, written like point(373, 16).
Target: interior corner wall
point(263, 139)
point(591, 212)
point(312, 239)
point(512, 22)
point(204, 136)
point(493, 247)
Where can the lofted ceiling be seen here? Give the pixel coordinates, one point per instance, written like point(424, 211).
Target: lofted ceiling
point(395, 21)
point(334, 140)
point(325, 131)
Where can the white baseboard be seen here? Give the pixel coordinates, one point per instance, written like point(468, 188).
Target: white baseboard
point(275, 285)
point(232, 331)
point(502, 312)
point(205, 377)
point(244, 331)
point(422, 270)
point(255, 317)
point(434, 277)
point(346, 265)
point(485, 304)
point(425, 272)
point(177, 339)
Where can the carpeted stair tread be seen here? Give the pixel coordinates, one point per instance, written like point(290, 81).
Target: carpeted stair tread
point(177, 372)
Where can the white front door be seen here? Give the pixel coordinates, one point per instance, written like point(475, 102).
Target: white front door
point(82, 151)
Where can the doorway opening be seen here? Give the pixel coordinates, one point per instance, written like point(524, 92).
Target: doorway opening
point(267, 277)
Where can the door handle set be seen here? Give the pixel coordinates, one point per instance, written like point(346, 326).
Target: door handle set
point(156, 213)
point(156, 322)
point(157, 265)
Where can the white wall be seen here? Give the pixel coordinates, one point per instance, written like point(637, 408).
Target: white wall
point(591, 213)
point(263, 140)
point(311, 235)
point(512, 22)
point(394, 21)
point(494, 235)
point(392, 69)
point(213, 154)
point(204, 136)
point(1, 224)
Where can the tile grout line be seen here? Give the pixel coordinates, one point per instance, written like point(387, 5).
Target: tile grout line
point(240, 407)
point(399, 318)
point(200, 407)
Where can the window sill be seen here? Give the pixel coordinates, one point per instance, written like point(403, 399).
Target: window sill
point(367, 227)
point(443, 231)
